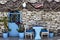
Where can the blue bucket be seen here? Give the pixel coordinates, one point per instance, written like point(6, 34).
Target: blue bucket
point(5, 35)
point(51, 35)
point(21, 35)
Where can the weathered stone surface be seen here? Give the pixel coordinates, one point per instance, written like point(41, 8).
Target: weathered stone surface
point(48, 19)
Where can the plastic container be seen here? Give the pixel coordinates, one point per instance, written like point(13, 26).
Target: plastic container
point(21, 35)
point(5, 35)
point(51, 35)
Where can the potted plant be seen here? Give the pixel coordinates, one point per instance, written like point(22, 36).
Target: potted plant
point(21, 29)
point(21, 32)
point(51, 34)
point(5, 33)
point(5, 30)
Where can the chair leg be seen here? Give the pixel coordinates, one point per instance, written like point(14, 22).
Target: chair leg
point(48, 35)
point(31, 36)
point(25, 36)
point(41, 35)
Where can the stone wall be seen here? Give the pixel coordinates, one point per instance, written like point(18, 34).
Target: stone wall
point(48, 19)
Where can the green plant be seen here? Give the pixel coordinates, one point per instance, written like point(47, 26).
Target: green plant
point(51, 31)
point(5, 25)
point(5, 22)
point(1, 20)
point(21, 29)
point(6, 30)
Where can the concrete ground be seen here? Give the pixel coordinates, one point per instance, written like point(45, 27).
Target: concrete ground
point(17, 38)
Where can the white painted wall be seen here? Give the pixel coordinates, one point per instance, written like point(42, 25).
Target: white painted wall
point(49, 0)
point(57, 0)
point(3, 1)
point(32, 1)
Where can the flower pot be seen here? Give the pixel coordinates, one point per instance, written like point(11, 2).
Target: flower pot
point(51, 35)
point(21, 35)
point(5, 35)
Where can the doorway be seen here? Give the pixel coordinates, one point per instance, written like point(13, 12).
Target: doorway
point(13, 18)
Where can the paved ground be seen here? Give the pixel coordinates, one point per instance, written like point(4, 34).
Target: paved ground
point(16, 38)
